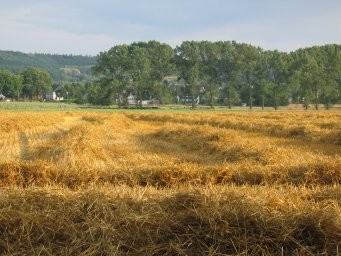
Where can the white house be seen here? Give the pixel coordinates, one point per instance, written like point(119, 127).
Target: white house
point(131, 99)
point(53, 96)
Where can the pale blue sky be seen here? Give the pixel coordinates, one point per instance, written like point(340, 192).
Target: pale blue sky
point(88, 27)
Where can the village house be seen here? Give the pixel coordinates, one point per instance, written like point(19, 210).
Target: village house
point(56, 94)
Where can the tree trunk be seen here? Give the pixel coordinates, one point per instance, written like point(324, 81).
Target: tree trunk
point(275, 104)
point(229, 98)
point(250, 97)
point(275, 101)
point(316, 100)
point(211, 98)
point(140, 100)
point(119, 100)
point(263, 102)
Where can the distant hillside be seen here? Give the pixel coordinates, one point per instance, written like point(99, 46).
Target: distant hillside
point(61, 67)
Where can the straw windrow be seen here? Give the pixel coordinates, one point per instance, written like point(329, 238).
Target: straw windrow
point(170, 184)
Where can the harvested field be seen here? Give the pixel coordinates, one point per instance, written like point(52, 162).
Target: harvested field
point(134, 183)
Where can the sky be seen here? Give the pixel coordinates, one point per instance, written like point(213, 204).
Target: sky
point(90, 27)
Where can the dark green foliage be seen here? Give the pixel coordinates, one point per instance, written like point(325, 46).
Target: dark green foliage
point(72, 92)
point(196, 72)
point(36, 83)
point(316, 75)
point(137, 68)
point(61, 67)
point(10, 84)
point(188, 61)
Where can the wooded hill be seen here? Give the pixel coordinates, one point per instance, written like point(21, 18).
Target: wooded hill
point(61, 67)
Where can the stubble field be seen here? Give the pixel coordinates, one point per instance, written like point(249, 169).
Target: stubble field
point(134, 183)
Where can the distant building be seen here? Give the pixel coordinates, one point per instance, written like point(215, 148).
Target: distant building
point(3, 98)
point(55, 95)
point(147, 103)
point(182, 90)
point(151, 103)
point(131, 99)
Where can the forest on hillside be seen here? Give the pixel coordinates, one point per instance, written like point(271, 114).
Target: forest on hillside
point(195, 72)
point(61, 67)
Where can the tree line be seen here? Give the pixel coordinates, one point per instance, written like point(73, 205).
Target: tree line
point(195, 72)
point(32, 84)
point(226, 72)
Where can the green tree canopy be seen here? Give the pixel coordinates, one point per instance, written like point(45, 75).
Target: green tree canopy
point(224, 71)
point(36, 83)
point(134, 68)
point(188, 62)
point(10, 84)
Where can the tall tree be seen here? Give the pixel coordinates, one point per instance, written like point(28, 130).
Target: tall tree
point(331, 75)
point(188, 62)
point(278, 76)
point(15, 86)
point(161, 58)
point(138, 68)
point(209, 69)
point(262, 83)
point(8, 83)
point(228, 72)
point(140, 72)
point(248, 67)
point(36, 83)
point(308, 74)
point(112, 68)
